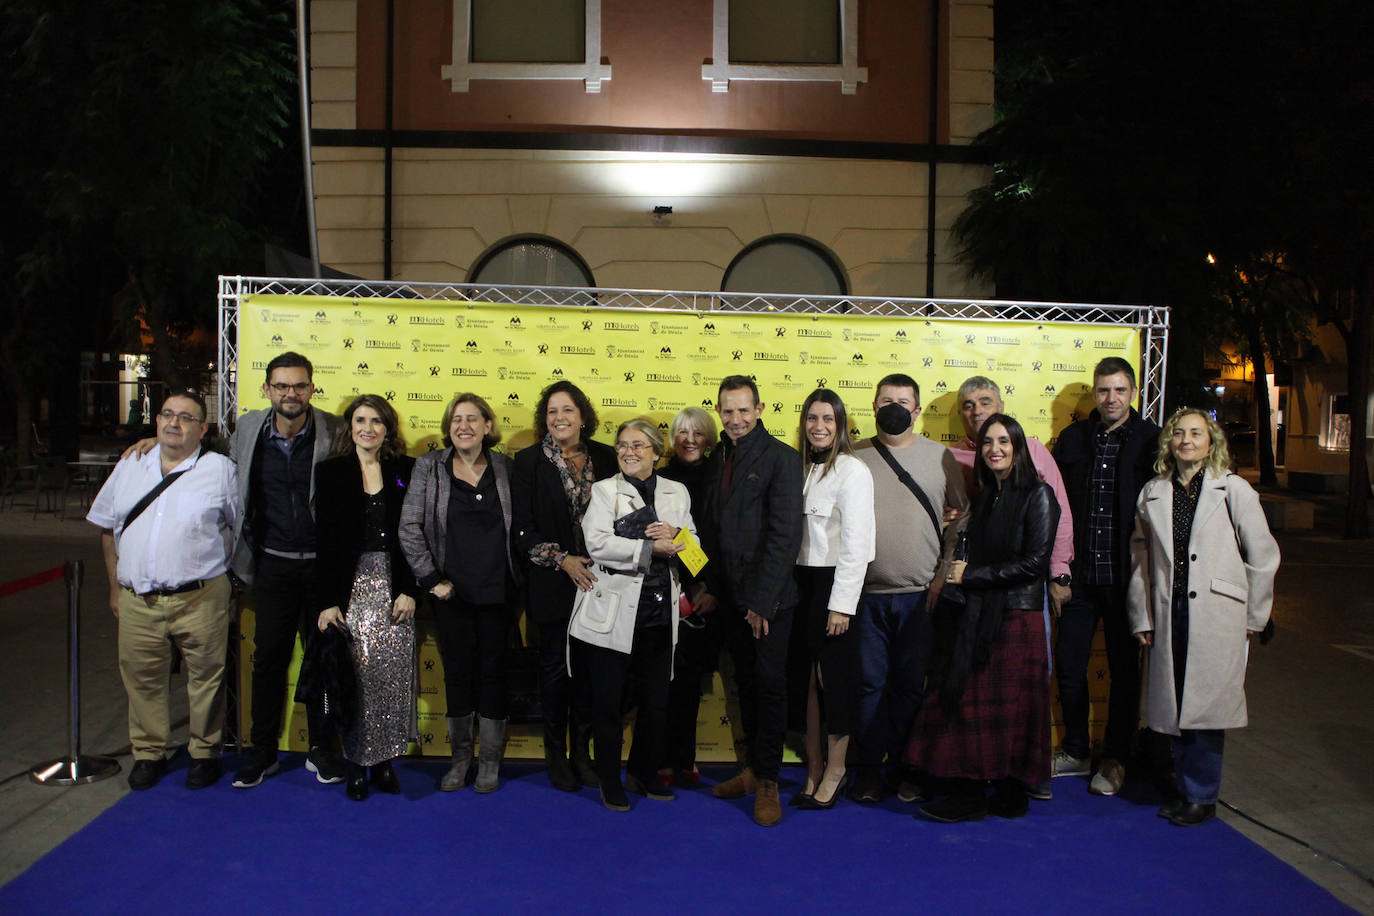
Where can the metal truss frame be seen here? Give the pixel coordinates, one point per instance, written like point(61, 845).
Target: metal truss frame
point(1152, 321)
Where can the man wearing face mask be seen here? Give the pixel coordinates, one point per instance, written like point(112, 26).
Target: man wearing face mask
point(894, 629)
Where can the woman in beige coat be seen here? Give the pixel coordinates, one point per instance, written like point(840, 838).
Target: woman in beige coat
point(1202, 582)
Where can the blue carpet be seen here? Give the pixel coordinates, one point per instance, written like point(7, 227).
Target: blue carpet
point(292, 845)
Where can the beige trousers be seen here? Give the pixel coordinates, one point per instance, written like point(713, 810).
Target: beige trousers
point(198, 622)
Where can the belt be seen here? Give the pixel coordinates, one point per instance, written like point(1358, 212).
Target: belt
point(179, 590)
point(288, 555)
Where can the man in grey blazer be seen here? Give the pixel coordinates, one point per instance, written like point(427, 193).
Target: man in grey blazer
point(276, 450)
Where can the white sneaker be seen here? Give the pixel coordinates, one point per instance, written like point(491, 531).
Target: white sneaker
point(1065, 764)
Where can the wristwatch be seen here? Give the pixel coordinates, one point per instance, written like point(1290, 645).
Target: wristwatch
point(1063, 579)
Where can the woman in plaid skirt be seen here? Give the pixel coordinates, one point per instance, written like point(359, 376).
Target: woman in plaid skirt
point(986, 717)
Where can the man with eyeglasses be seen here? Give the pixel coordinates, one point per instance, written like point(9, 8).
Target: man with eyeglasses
point(276, 450)
point(166, 527)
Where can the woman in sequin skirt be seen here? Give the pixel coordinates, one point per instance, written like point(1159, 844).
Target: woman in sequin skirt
point(366, 587)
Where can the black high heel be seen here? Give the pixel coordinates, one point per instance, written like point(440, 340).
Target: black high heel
point(811, 803)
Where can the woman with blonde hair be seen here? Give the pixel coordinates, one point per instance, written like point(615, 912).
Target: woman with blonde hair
point(455, 528)
point(1202, 583)
point(693, 436)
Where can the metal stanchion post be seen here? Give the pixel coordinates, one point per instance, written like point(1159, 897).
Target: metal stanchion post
point(74, 769)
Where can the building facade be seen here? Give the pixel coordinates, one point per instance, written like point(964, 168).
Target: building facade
point(789, 146)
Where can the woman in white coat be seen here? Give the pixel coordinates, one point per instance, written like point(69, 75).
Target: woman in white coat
point(837, 545)
point(624, 628)
point(1202, 583)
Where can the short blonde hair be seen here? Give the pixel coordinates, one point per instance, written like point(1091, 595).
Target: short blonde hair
point(1218, 455)
point(639, 424)
point(697, 419)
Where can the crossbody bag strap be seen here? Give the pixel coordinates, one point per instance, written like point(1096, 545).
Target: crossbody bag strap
point(153, 494)
point(911, 485)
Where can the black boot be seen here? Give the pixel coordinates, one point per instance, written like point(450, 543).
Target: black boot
point(967, 803)
point(561, 774)
point(357, 782)
point(384, 777)
point(1008, 799)
point(582, 755)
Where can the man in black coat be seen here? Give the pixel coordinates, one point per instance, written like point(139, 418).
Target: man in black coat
point(754, 510)
point(1105, 460)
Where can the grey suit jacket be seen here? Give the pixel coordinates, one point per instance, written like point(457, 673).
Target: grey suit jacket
point(241, 447)
point(424, 515)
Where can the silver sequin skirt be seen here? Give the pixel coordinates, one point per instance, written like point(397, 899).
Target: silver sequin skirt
point(384, 659)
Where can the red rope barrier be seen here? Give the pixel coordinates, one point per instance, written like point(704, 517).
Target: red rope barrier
point(18, 585)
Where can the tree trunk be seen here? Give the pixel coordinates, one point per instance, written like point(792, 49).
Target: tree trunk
point(1357, 361)
point(1264, 442)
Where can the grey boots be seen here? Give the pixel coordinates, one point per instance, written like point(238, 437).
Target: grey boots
point(492, 735)
point(460, 739)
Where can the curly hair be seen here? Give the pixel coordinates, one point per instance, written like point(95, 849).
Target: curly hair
point(1218, 454)
point(393, 446)
point(580, 401)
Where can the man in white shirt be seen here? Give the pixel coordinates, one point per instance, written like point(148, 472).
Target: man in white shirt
point(167, 559)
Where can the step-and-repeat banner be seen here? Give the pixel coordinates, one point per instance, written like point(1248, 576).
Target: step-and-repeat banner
point(636, 363)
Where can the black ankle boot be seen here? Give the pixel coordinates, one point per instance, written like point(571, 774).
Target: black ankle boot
point(357, 782)
point(561, 774)
point(1008, 799)
point(384, 778)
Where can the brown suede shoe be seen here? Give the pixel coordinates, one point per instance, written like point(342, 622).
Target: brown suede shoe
point(767, 808)
point(738, 786)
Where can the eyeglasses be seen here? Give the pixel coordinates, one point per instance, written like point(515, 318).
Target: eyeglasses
point(184, 418)
point(635, 447)
point(298, 387)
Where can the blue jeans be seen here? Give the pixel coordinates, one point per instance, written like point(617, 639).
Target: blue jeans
point(1197, 761)
point(894, 647)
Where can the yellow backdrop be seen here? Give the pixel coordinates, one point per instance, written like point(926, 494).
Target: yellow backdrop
point(635, 363)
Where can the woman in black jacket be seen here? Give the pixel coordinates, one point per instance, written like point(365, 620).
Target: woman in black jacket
point(455, 529)
point(551, 485)
point(366, 587)
point(987, 718)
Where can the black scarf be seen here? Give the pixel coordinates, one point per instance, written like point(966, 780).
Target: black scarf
point(997, 513)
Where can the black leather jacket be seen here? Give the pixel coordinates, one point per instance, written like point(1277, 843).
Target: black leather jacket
point(1029, 519)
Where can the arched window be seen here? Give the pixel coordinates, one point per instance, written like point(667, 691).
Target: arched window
point(531, 260)
point(785, 264)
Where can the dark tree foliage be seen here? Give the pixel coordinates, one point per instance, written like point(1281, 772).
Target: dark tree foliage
point(142, 134)
point(1135, 138)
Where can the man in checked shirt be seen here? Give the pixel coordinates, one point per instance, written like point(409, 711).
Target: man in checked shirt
point(1105, 460)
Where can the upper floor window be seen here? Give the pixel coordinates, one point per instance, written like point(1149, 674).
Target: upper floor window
point(790, 40)
point(526, 40)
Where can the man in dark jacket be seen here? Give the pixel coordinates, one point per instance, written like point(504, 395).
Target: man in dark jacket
point(1105, 460)
point(754, 508)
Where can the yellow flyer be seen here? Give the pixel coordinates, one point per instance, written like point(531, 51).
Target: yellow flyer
point(692, 556)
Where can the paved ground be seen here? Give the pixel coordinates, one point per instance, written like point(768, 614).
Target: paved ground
point(1302, 767)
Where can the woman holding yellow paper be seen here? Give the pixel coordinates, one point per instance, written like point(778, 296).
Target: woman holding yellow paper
point(624, 628)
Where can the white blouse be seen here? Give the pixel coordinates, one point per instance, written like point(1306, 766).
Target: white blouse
point(839, 529)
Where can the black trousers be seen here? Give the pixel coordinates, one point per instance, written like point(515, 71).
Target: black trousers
point(761, 676)
point(472, 644)
point(641, 677)
point(1077, 626)
point(561, 700)
point(284, 601)
point(696, 656)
